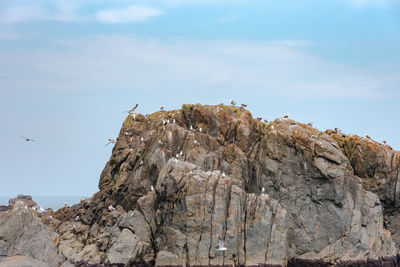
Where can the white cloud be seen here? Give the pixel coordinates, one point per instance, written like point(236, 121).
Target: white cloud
point(9, 35)
point(17, 14)
point(363, 3)
point(128, 14)
point(129, 63)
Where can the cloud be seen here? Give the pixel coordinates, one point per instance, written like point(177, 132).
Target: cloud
point(125, 15)
point(130, 63)
point(17, 14)
point(9, 35)
point(363, 3)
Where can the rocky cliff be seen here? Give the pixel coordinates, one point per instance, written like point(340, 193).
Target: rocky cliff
point(180, 182)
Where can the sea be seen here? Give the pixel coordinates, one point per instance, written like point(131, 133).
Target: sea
point(48, 202)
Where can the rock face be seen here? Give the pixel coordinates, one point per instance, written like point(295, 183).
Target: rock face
point(277, 194)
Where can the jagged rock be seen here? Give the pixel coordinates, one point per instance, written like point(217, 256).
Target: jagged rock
point(21, 261)
point(23, 233)
point(276, 194)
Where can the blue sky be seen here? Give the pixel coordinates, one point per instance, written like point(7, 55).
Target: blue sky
point(69, 68)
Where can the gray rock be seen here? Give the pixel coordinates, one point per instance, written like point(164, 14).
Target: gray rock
point(21, 261)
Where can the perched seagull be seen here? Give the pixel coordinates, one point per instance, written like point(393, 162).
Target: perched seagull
point(266, 121)
point(110, 141)
point(259, 118)
point(309, 124)
point(141, 139)
point(160, 142)
point(336, 129)
point(152, 188)
point(28, 139)
point(173, 121)
point(200, 130)
point(162, 108)
point(223, 174)
point(141, 163)
point(367, 136)
point(65, 205)
point(233, 103)
point(77, 218)
point(128, 133)
point(384, 141)
point(243, 105)
point(286, 116)
point(111, 208)
point(262, 190)
point(221, 245)
point(196, 143)
point(191, 128)
point(132, 110)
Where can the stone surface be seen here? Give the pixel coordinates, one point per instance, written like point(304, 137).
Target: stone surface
point(21, 261)
point(23, 233)
point(276, 194)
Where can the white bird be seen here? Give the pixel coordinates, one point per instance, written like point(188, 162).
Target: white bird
point(77, 218)
point(196, 142)
point(28, 139)
point(111, 208)
point(262, 190)
point(200, 130)
point(191, 128)
point(223, 174)
point(160, 142)
point(110, 141)
point(141, 163)
point(167, 121)
point(173, 121)
point(132, 110)
point(221, 245)
point(141, 139)
point(152, 188)
point(128, 133)
point(65, 205)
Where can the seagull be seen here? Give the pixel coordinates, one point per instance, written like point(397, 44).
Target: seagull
point(132, 110)
point(152, 188)
point(111, 208)
point(262, 190)
point(65, 205)
point(286, 116)
point(266, 121)
point(384, 141)
point(243, 105)
point(259, 118)
point(336, 129)
point(367, 136)
point(233, 103)
point(223, 174)
point(77, 218)
point(191, 128)
point(160, 142)
point(221, 245)
point(309, 124)
point(141, 139)
point(28, 139)
point(162, 108)
point(128, 133)
point(141, 163)
point(200, 130)
point(110, 141)
point(173, 121)
point(196, 142)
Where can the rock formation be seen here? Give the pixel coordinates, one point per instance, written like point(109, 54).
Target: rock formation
point(276, 194)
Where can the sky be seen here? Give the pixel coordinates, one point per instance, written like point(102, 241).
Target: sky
point(69, 68)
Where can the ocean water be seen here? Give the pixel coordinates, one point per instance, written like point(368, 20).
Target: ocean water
point(48, 202)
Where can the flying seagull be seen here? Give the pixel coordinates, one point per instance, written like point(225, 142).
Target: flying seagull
point(110, 141)
point(132, 110)
point(28, 139)
point(221, 245)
